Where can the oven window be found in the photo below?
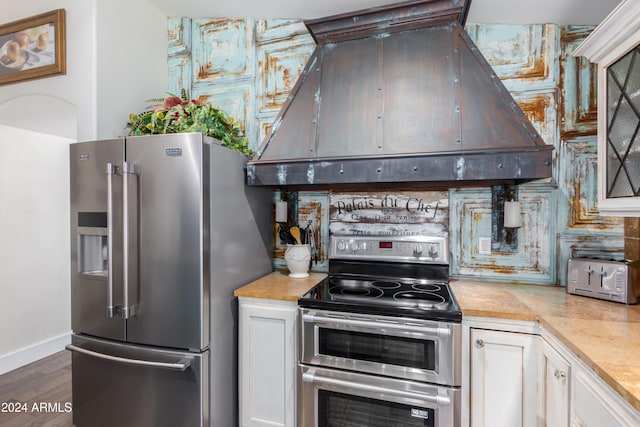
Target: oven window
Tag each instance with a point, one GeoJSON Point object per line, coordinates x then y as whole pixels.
{"type": "Point", "coordinates": [386, 349]}
{"type": "Point", "coordinates": [345, 410]}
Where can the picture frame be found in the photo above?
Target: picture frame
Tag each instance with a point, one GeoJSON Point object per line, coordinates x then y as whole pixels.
{"type": "Point", "coordinates": [33, 48]}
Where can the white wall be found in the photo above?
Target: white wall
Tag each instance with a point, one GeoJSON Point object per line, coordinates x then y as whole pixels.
{"type": "Point", "coordinates": [131, 62]}
{"type": "Point", "coordinates": [34, 245]}
{"type": "Point", "coordinates": [116, 60]}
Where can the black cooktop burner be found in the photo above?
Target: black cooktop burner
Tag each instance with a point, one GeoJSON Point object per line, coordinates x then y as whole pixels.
{"type": "Point", "coordinates": [428, 287]}
{"type": "Point", "coordinates": [354, 289]}
{"type": "Point", "coordinates": [421, 299]}
{"type": "Point", "coordinates": [407, 297]}
{"type": "Point", "coordinates": [383, 284]}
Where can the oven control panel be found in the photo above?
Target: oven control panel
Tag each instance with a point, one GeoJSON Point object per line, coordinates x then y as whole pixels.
{"type": "Point", "coordinates": [422, 249]}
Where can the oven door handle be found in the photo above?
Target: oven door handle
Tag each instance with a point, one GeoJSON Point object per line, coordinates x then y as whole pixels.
{"type": "Point", "coordinates": [314, 318]}
{"type": "Point", "coordinates": [312, 377]}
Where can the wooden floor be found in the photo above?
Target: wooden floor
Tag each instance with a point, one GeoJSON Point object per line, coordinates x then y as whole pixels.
{"type": "Point", "coordinates": [40, 390]}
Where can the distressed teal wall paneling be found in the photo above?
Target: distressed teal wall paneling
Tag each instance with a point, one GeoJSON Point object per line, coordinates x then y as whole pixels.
{"type": "Point", "coordinates": [578, 81]}
{"type": "Point", "coordinates": [270, 30]}
{"type": "Point", "coordinates": [525, 57]}
{"type": "Point", "coordinates": [471, 219]}
{"type": "Point", "coordinates": [245, 67]}
{"type": "Point", "coordinates": [223, 49]}
{"type": "Point", "coordinates": [179, 75]}
{"type": "Point", "coordinates": [264, 123]}
{"type": "Point", "coordinates": [578, 187]}
{"type": "Point", "coordinates": [179, 55]}
{"type": "Point", "coordinates": [581, 230]}
{"type": "Point", "coordinates": [280, 64]}
{"type": "Point", "coordinates": [283, 48]}
{"type": "Point", "coordinates": [179, 33]}
{"type": "Point", "coordinates": [540, 107]}
{"type": "Point", "coordinates": [235, 99]}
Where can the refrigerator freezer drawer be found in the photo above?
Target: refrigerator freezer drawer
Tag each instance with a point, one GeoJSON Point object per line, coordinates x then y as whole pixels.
{"type": "Point", "coordinates": [117, 384]}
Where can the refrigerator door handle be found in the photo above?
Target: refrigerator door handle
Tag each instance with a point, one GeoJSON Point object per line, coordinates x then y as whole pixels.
{"type": "Point", "coordinates": [181, 365]}
{"type": "Point", "coordinates": [130, 239]}
{"type": "Point", "coordinates": [112, 309]}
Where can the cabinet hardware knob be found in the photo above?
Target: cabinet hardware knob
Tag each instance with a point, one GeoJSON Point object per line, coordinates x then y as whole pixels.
{"type": "Point", "coordinates": [480, 343]}
{"type": "Point", "coordinates": [560, 375]}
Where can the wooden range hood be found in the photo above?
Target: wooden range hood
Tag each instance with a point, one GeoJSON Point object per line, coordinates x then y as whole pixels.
{"type": "Point", "coordinates": [399, 95]}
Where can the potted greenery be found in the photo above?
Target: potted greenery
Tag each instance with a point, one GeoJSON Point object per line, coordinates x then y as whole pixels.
{"type": "Point", "coordinates": [175, 114]}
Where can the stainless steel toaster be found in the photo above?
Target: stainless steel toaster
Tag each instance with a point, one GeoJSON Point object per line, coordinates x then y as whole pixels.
{"type": "Point", "coordinates": [604, 279]}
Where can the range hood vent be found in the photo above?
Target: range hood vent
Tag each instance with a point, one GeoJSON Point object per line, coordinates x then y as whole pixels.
{"type": "Point", "coordinates": [399, 95]}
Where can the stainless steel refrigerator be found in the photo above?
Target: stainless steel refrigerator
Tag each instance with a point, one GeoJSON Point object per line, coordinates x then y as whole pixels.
{"type": "Point", "coordinates": [163, 229]}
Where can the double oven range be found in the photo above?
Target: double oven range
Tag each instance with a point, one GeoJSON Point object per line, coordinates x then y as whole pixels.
{"type": "Point", "coordinates": [380, 341]}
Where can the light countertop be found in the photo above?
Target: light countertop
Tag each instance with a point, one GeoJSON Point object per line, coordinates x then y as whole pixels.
{"type": "Point", "coordinates": [279, 286]}
{"type": "Point", "coordinates": [604, 335]}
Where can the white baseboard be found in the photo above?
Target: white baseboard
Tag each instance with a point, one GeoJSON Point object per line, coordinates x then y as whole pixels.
{"type": "Point", "coordinates": [26, 355]}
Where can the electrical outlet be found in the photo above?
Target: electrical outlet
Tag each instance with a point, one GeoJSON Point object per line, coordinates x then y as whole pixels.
{"type": "Point", "coordinates": [484, 245]}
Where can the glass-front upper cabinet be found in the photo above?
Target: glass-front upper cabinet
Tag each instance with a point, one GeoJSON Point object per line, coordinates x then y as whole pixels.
{"type": "Point", "coordinates": [615, 46]}
{"type": "Point", "coordinates": [623, 123]}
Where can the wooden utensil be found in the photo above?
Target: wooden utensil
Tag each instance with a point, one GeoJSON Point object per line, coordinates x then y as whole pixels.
{"type": "Point", "coordinates": [286, 237]}
{"type": "Point", "coordinates": [295, 232]}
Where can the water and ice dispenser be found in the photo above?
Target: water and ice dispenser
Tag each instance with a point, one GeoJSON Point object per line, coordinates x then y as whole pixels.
{"type": "Point", "coordinates": [92, 243]}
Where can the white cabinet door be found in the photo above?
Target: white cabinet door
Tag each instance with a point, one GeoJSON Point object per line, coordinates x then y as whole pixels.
{"type": "Point", "coordinates": [555, 375]}
{"type": "Point", "coordinates": [503, 379]}
{"type": "Point", "coordinates": [596, 405]}
{"type": "Point", "coordinates": [267, 362]}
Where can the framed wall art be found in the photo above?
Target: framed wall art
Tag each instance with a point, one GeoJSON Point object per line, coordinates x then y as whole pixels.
{"type": "Point", "coordinates": [33, 48]}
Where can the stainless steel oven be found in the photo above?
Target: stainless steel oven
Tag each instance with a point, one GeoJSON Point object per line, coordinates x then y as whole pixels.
{"type": "Point", "coordinates": [380, 337]}
{"type": "Point", "coordinates": [399, 347]}
{"type": "Point", "coordinates": [334, 398]}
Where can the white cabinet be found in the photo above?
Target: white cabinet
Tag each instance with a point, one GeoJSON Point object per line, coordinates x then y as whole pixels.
{"type": "Point", "coordinates": [503, 387]}
{"type": "Point", "coordinates": [589, 407]}
{"type": "Point", "coordinates": [595, 404]}
{"type": "Point", "coordinates": [519, 374]}
{"type": "Point", "coordinates": [611, 45]}
{"type": "Point", "coordinates": [267, 362]}
{"type": "Point", "coordinates": [590, 401]}
{"type": "Point", "coordinates": [555, 376]}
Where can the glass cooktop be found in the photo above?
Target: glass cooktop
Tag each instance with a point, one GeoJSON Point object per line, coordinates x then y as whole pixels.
{"type": "Point", "coordinates": [423, 299]}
